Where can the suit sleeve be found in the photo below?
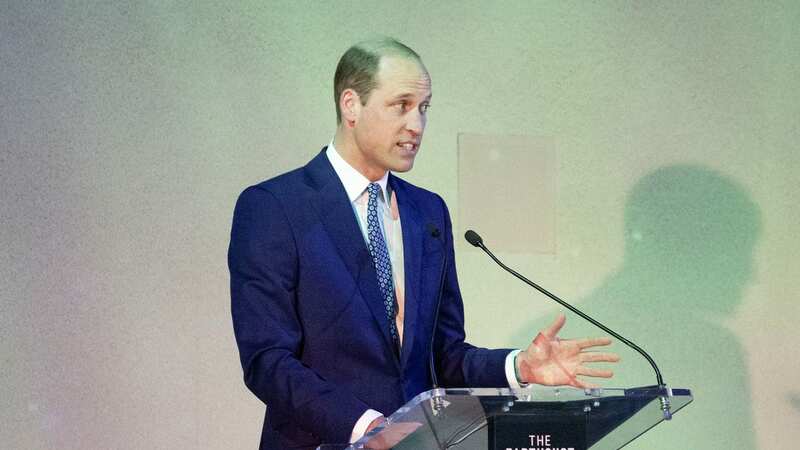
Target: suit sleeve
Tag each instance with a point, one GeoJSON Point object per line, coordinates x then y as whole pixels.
{"type": "Point", "coordinates": [263, 264]}
{"type": "Point", "coordinates": [460, 364]}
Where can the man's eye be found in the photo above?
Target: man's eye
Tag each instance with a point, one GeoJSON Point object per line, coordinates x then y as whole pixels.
{"type": "Point", "coordinates": [424, 107]}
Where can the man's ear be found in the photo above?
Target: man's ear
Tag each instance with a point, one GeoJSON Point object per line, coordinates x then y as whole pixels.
{"type": "Point", "coordinates": [350, 105]}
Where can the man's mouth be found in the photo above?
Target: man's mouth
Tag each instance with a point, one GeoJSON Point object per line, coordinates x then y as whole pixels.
{"type": "Point", "coordinates": [408, 146]}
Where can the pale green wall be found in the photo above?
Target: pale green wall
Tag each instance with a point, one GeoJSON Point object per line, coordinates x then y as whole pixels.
{"type": "Point", "coordinates": [127, 130]}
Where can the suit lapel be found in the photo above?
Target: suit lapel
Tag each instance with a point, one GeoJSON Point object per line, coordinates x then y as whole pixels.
{"type": "Point", "coordinates": [336, 214]}
{"type": "Point", "coordinates": [413, 235]}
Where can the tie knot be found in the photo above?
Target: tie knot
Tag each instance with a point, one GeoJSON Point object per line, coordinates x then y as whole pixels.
{"type": "Point", "coordinates": [373, 189]}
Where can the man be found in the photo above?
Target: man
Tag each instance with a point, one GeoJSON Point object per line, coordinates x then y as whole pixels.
{"type": "Point", "coordinates": [337, 267]}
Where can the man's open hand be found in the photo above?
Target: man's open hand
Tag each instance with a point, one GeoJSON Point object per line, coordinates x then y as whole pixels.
{"type": "Point", "coordinates": [552, 361]}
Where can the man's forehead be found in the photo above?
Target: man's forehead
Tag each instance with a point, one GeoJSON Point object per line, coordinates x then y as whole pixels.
{"type": "Point", "coordinates": [403, 76]}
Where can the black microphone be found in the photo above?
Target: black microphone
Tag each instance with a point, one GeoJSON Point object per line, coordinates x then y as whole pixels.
{"type": "Point", "coordinates": [434, 232]}
{"type": "Point", "coordinates": [475, 239]}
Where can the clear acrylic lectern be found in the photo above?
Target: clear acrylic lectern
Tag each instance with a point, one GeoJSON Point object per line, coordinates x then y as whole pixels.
{"type": "Point", "coordinates": [533, 418]}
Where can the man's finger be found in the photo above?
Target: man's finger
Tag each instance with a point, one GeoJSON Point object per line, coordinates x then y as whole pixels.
{"type": "Point", "coordinates": [598, 357]}
{"type": "Point", "coordinates": [592, 342]}
{"type": "Point", "coordinates": [589, 372]}
{"type": "Point", "coordinates": [391, 437]}
{"type": "Point", "coordinates": [552, 330]}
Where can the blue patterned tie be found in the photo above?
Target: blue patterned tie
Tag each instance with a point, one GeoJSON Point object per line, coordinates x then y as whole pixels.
{"type": "Point", "coordinates": [380, 257]}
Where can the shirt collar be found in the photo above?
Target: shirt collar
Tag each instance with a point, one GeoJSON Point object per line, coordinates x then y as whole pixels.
{"type": "Point", "coordinates": [354, 183]}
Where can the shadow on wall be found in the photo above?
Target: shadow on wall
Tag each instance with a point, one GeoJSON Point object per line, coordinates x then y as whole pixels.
{"type": "Point", "coordinates": [794, 400]}
{"type": "Point", "coordinates": [689, 239]}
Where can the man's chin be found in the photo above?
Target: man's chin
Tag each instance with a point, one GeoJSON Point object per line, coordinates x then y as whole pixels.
{"type": "Point", "coordinates": [403, 164]}
{"type": "Point", "coordinates": [405, 167]}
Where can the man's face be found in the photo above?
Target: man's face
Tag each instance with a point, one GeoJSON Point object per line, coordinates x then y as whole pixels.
{"type": "Point", "coordinates": [388, 129]}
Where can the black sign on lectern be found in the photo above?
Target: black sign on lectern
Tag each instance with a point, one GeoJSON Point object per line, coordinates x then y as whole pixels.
{"type": "Point", "coordinates": [518, 431]}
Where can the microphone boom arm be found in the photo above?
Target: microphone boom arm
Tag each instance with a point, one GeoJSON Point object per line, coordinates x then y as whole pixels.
{"type": "Point", "coordinates": [474, 239]}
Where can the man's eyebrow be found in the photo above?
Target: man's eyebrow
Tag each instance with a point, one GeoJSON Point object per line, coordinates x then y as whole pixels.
{"type": "Point", "coordinates": [409, 95]}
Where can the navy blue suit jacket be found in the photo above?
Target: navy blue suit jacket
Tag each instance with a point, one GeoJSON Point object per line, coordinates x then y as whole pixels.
{"type": "Point", "coordinates": [308, 316]}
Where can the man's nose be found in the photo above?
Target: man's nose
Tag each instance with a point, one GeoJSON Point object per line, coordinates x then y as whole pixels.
{"type": "Point", "coordinates": [416, 122]}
